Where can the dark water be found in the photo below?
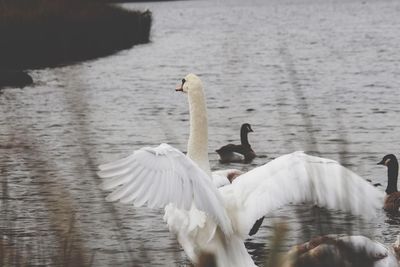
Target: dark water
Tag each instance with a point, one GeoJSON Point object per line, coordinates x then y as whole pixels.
{"type": "Point", "coordinates": [313, 75]}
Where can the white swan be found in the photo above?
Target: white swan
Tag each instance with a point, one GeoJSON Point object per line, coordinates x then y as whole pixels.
{"type": "Point", "coordinates": [217, 220]}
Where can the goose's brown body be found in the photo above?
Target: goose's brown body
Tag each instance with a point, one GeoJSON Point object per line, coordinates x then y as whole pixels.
{"type": "Point", "coordinates": [392, 202]}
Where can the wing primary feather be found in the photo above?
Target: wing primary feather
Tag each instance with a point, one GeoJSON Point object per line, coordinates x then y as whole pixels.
{"type": "Point", "coordinates": [134, 188]}
{"type": "Point", "coordinates": [181, 187]}
{"type": "Point", "coordinates": [164, 197]}
{"type": "Point", "coordinates": [118, 163]}
{"type": "Point", "coordinates": [157, 190]}
{"type": "Point", "coordinates": [143, 193]}
{"type": "Point", "coordinates": [109, 173]}
{"type": "Point", "coordinates": [170, 196]}
{"type": "Point", "coordinates": [187, 193]}
{"type": "Point", "coordinates": [122, 190]}
{"type": "Point", "coordinates": [119, 180]}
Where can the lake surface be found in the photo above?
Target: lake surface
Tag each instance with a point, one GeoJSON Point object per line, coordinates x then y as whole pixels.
{"type": "Point", "coordinates": [313, 75]}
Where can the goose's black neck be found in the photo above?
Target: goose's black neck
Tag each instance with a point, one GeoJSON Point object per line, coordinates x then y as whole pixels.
{"type": "Point", "coordinates": [243, 136]}
{"type": "Point", "coordinates": [393, 173]}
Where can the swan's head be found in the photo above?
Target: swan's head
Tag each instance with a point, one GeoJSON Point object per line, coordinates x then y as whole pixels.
{"type": "Point", "coordinates": [190, 83]}
{"type": "Point", "coordinates": [246, 127]}
{"type": "Point", "coordinates": [388, 160]}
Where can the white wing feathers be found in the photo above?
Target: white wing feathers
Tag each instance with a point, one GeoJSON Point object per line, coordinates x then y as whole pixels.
{"type": "Point", "coordinates": [162, 175]}
{"type": "Point", "coordinates": [298, 178]}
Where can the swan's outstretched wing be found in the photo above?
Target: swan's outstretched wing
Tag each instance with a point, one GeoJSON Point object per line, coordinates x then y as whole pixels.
{"type": "Point", "coordinates": [162, 175]}
{"type": "Point", "coordinates": [297, 178]}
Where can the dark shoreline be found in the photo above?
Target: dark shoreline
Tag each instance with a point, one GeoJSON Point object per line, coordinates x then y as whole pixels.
{"type": "Point", "coordinates": [14, 78]}
{"type": "Point", "coordinates": [49, 33]}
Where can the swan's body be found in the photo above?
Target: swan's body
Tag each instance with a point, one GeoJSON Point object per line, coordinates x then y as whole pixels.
{"type": "Point", "coordinates": [392, 199]}
{"type": "Point", "coordinates": [346, 251]}
{"type": "Point", "coordinates": [238, 153]}
{"type": "Point", "coordinates": [205, 218]}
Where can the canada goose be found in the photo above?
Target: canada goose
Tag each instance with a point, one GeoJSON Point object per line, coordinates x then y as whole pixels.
{"type": "Point", "coordinates": [238, 153]}
{"type": "Point", "coordinates": [392, 199]}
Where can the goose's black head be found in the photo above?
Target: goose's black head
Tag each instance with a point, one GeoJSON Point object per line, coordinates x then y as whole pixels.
{"type": "Point", "coordinates": [389, 160]}
{"type": "Point", "coordinates": [246, 128]}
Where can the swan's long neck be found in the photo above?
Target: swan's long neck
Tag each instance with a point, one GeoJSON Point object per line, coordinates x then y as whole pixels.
{"type": "Point", "coordinates": [393, 173]}
{"type": "Point", "coordinates": [197, 148]}
{"type": "Point", "coordinates": [243, 137]}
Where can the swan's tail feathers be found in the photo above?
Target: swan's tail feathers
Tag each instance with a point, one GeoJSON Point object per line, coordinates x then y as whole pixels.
{"type": "Point", "coordinates": [298, 178]}
{"type": "Point", "coordinates": [158, 176]}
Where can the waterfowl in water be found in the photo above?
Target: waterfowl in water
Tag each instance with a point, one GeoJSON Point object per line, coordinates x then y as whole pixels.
{"type": "Point", "coordinates": [238, 153]}
{"type": "Point", "coordinates": [344, 251]}
{"type": "Point", "coordinates": [392, 199]}
{"type": "Point", "coordinates": [217, 219]}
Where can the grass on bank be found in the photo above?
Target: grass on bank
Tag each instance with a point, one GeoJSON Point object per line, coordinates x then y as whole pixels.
{"type": "Point", "coordinates": [45, 33]}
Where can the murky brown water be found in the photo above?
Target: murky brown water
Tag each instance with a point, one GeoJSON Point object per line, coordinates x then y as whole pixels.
{"type": "Point", "coordinates": [313, 75]}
